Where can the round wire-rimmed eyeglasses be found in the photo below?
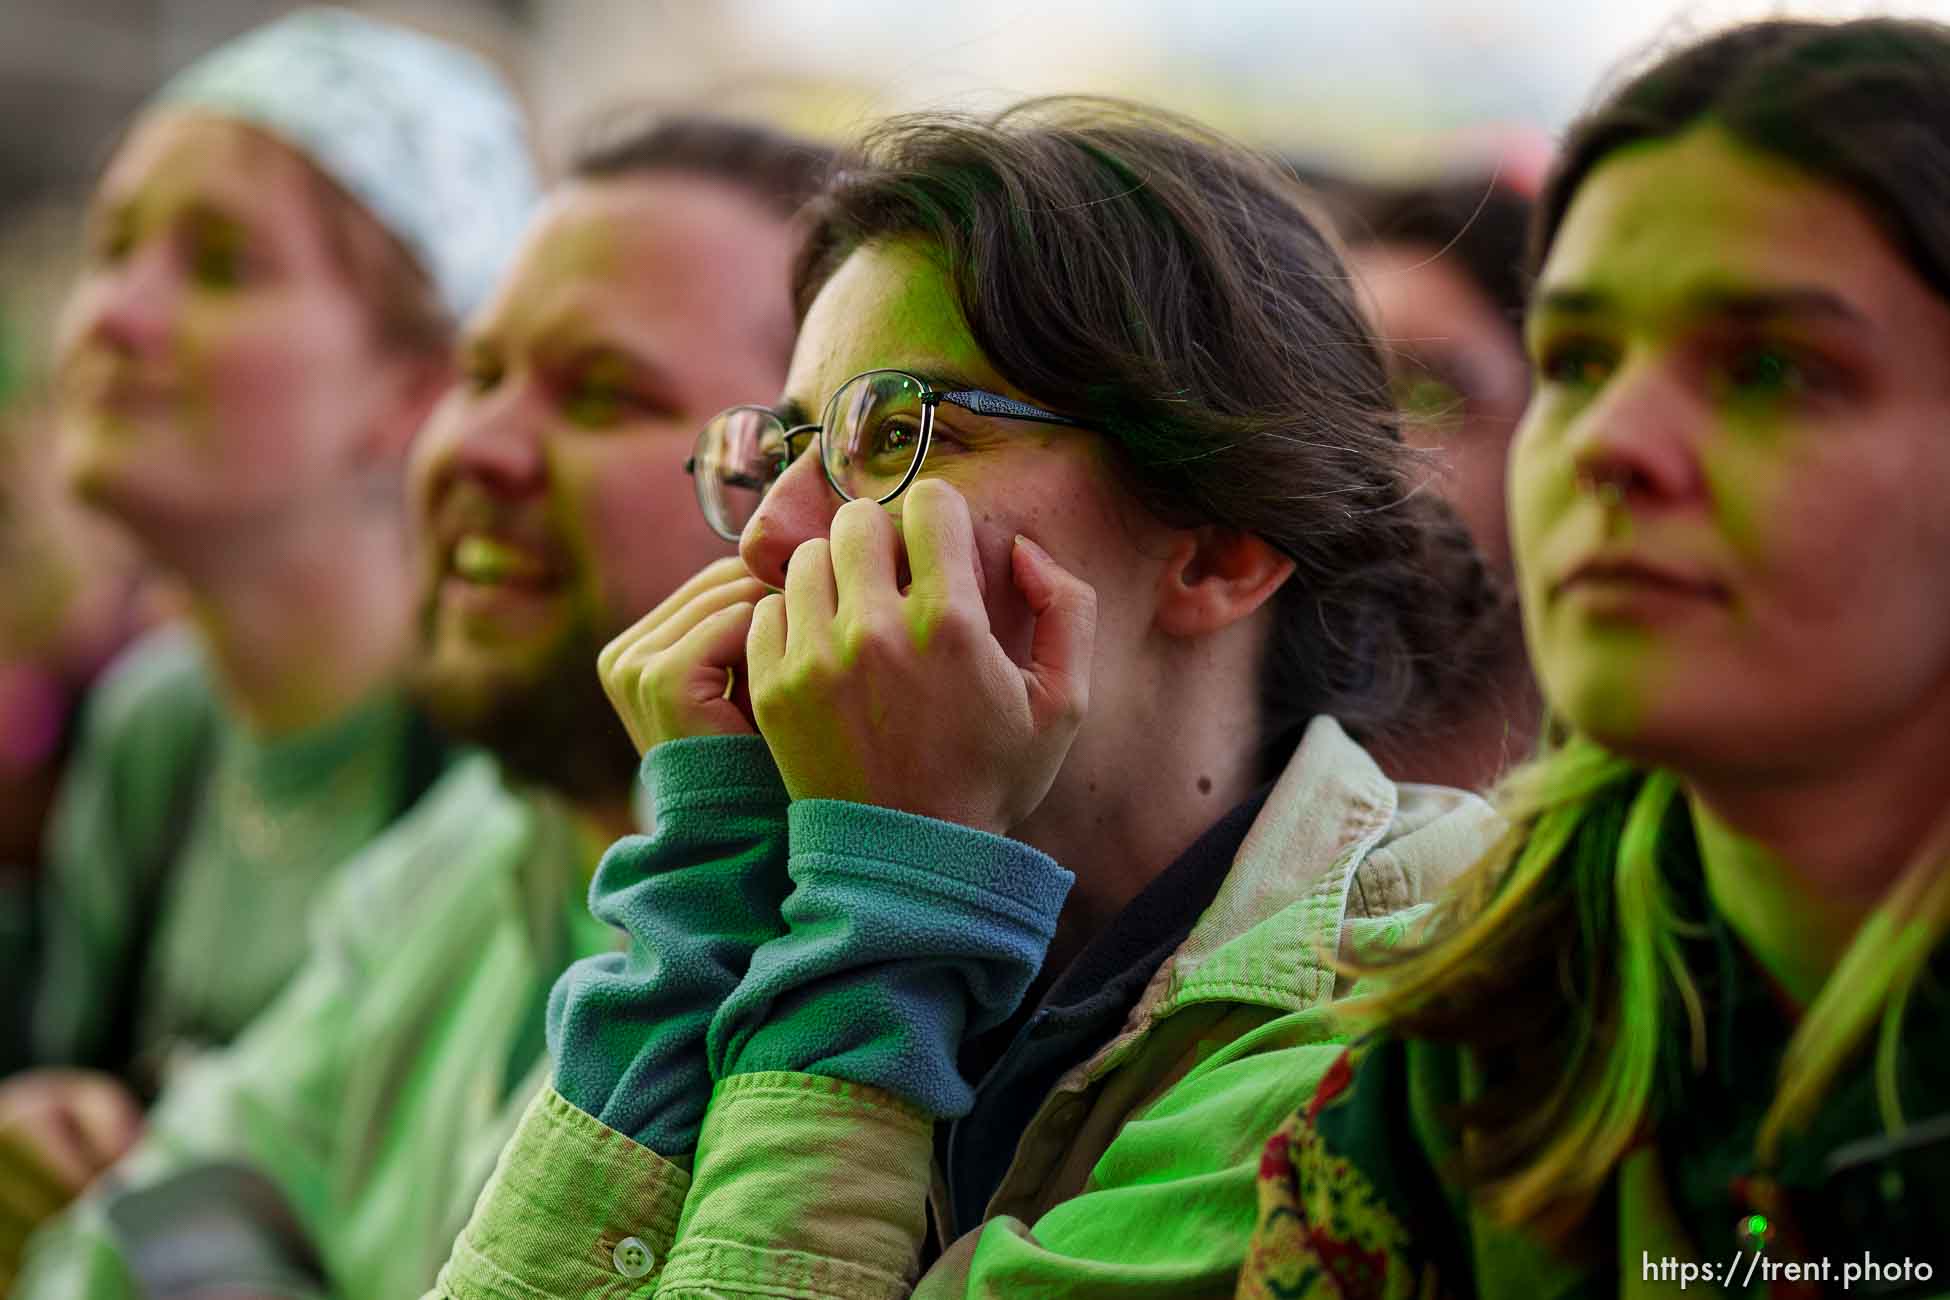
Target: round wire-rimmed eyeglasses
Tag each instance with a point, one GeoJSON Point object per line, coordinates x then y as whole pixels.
{"type": "Point", "coordinates": [873, 438]}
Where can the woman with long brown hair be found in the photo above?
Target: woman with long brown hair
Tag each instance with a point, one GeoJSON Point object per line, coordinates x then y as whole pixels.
{"type": "Point", "coordinates": [1688, 1024]}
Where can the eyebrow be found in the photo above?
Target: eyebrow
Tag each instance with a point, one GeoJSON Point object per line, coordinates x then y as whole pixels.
{"type": "Point", "coordinates": [943, 381]}
{"type": "Point", "coordinates": [127, 209]}
{"type": "Point", "coordinates": [565, 335]}
{"type": "Point", "coordinates": [594, 347]}
{"type": "Point", "coordinates": [215, 212]}
{"type": "Point", "coordinates": [793, 412]}
{"type": "Point", "coordinates": [1736, 304]}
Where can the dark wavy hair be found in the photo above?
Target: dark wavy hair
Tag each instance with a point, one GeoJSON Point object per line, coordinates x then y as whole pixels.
{"type": "Point", "coordinates": [1863, 105]}
{"type": "Point", "coordinates": [781, 171]}
{"type": "Point", "coordinates": [1171, 289]}
{"type": "Point", "coordinates": [1479, 222]}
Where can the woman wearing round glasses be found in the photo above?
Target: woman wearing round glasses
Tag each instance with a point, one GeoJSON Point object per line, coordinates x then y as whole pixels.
{"type": "Point", "coordinates": [882, 422]}
{"type": "Point", "coordinates": [1081, 520]}
{"type": "Point", "coordinates": [1689, 1025]}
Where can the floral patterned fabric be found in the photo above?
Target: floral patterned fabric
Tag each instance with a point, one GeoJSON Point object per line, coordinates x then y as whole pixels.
{"type": "Point", "coordinates": [1325, 1230]}
{"type": "Point", "coordinates": [1353, 1203]}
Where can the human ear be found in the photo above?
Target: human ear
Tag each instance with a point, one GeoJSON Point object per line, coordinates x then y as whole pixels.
{"type": "Point", "coordinates": [1214, 577]}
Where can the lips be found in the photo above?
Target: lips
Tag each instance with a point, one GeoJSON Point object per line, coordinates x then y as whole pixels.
{"type": "Point", "coordinates": [1630, 573]}
{"type": "Point", "coordinates": [483, 541]}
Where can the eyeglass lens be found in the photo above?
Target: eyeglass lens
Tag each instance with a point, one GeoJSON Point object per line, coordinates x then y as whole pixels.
{"type": "Point", "coordinates": [873, 433]}
{"type": "Point", "coordinates": [739, 455]}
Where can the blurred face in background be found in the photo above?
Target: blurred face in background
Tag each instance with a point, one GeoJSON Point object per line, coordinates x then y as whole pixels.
{"type": "Point", "coordinates": [550, 482]}
{"type": "Point", "coordinates": [218, 370]}
{"type": "Point", "coordinates": [1459, 374]}
{"type": "Point", "coordinates": [1728, 493]}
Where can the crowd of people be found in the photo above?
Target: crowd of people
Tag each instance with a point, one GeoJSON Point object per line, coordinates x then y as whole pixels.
{"type": "Point", "coordinates": [1032, 704]}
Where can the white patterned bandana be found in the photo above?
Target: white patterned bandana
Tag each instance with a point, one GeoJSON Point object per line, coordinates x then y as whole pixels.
{"type": "Point", "coordinates": [428, 137]}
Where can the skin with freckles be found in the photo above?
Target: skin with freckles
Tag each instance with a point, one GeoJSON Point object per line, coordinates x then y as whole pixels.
{"type": "Point", "coordinates": [942, 679]}
{"type": "Point", "coordinates": [1747, 378]}
{"type": "Point", "coordinates": [551, 479]}
{"type": "Point", "coordinates": [1059, 481]}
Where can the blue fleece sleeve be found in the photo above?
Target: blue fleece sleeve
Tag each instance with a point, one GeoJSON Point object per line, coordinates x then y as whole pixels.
{"type": "Point", "coordinates": [697, 897]}
{"type": "Point", "coordinates": [903, 934]}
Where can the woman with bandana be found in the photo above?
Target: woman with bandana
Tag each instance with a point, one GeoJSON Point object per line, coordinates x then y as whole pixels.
{"type": "Point", "coordinates": [279, 249]}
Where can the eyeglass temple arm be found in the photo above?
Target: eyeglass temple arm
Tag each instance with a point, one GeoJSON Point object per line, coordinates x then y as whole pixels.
{"type": "Point", "coordinates": [1008, 408]}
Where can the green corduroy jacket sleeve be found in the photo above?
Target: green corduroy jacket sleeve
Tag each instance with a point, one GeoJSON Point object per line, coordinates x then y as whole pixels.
{"type": "Point", "coordinates": [812, 1187]}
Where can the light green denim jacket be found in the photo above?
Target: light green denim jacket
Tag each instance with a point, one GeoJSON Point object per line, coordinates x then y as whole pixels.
{"type": "Point", "coordinates": [376, 1092]}
{"type": "Point", "coordinates": [1134, 1179]}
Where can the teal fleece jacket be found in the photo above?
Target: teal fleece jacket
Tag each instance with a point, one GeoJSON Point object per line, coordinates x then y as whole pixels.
{"type": "Point", "coordinates": [832, 938]}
